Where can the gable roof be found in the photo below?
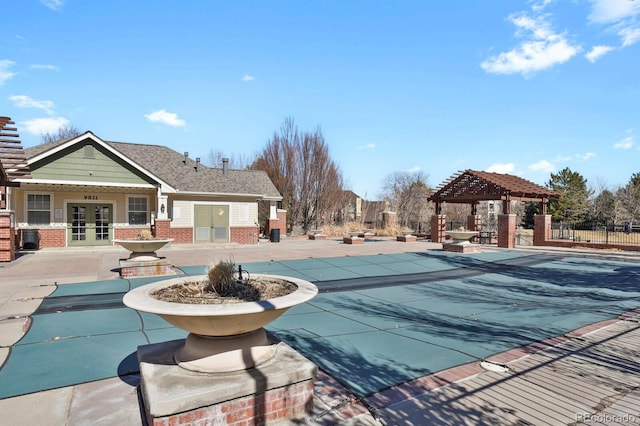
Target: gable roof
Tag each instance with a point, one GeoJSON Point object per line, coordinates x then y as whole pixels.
{"type": "Point", "coordinates": [470, 186]}
{"type": "Point", "coordinates": [170, 168]}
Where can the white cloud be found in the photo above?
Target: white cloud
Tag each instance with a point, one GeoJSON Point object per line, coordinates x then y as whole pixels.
{"type": "Point", "coordinates": [626, 143]}
{"type": "Point", "coordinates": [542, 166]}
{"type": "Point", "coordinates": [501, 168]}
{"type": "Point", "coordinates": [248, 78]}
{"type": "Point", "coordinates": [414, 169]}
{"type": "Point", "coordinates": [597, 52]}
{"type": "Point", "coordinates": [612, 11]}
{"type": "Point", "coordinates": [562, 159]}
{"type": "Point", "coordinates": [629, 36]}
{"type": "Point", "coordinates": [5, 74]}
{"type": "Point", "coordinates": [164, 117]}
{"type": "Point", "coordinates": [587, 156]}
{"type": "Point", "coordinates": [619, 16]}
{"type": "Point", "coordinates": [23, 101]}
{"type": "Point", "coordinates": [40, 126]}
{"type": "Point", "coordinates": [53, 4]}
{"type": "Point", "coordinates": [367, 146]}
{"type": "Point", "coordinates": [541, 49]}
{"type": "Point", "coordinates": [539, 6]}
{"type": "Point", "coordinates": [45, 67]}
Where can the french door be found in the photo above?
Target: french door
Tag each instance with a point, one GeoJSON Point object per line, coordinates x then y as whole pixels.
{"type": "Point", "coordinates": [89, 224]}
{"type": "Point", "coordinates": [211, 223]}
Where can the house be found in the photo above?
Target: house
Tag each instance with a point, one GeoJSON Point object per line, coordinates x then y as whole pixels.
{"type": "Point", "coordinates": [85, 191]}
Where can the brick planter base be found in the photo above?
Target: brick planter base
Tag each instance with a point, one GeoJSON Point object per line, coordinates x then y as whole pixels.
{"type": "Point", "coordinates": [277, 390]}
{"type": "Point", "coordinates": [462, 248]}
{"type": "Point", "coordinates": [353, 240]}
{"type": "Point", "coordinates": [146, 268]}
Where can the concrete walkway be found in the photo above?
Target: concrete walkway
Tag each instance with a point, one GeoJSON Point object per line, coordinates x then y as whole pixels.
{"type": "Point", "coordinates": [538, 387]}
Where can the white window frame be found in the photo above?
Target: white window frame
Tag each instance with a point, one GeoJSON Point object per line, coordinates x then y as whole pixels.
{"type": "Point", "coordinates": [27, 209]}
{"type": "Point", "coordinates": [147, 212]}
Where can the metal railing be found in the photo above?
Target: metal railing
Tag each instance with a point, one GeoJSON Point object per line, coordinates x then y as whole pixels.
{"type": "Point", "coordinates": [596, 232]}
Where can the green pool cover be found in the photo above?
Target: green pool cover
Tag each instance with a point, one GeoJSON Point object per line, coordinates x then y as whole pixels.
{"type": "Point", "coordinates": [378, 321]}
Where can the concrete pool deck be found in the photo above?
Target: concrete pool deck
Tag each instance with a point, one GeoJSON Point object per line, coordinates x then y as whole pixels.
{"type": "Point", "coordinates": [585, 374]}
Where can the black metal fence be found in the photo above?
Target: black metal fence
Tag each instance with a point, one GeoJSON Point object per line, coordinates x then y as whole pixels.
{"type": "Point", "coordinates": [597, 232]}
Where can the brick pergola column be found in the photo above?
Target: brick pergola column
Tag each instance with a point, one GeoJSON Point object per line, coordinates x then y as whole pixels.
{"type": "Point", "coordinates": [389, 219]}
{"type": "Point", "coordinates": [541, 229]}
{"type": "Point", "coordinates": [438, 223]}
{"type": "Point", "coordinates": [507, 230]}
{"type": "Point", "coordinates": [7, 237]}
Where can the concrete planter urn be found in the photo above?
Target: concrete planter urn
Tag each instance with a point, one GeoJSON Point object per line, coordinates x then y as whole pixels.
{"type": "Point", "coordinates": [142, 249]}
{"type": "Point", "coordinates": [222, 337]}
{"type": "Point", "coordinates": [461, 237]}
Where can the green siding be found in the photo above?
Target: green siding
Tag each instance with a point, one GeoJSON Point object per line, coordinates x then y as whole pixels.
{"type": "Point", "coordinates": [72, 164]}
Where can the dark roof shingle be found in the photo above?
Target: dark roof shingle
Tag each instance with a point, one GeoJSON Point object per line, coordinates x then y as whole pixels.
{"type": "Point", "coordinates": [170, 167]}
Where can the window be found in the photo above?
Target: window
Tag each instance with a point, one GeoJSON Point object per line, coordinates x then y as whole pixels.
{"type": "Point", "coordinates": [137, 210]}
{"type": "Point", "coordinates": [38, 209]}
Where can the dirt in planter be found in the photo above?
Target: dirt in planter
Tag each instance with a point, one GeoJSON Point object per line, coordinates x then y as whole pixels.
{"type": "Point", "coordinates": [202, 293]}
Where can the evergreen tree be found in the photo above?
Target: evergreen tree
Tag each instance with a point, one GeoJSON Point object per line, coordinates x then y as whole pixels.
{"type": "Point", "coordinates": [530, 211]}
{"type": "Point", "coordinates": [573, 204]}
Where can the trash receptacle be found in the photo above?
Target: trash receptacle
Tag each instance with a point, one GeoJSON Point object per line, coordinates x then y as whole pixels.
{"type": "Point", "coordinates": [30, 239]}
{"type": "Point", "coordinates": [274, 236]}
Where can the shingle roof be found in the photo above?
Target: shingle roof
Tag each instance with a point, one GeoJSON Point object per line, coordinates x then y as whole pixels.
{"type": "Point", "coordinates": [471, 185]}
{"type": "Point", "coordinates": [169, 166]}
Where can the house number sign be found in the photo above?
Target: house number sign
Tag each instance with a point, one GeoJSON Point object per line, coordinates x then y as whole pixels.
{"type": "Point", "coordinates": [90, 197]}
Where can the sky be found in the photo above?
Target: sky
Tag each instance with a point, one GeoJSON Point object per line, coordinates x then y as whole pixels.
{"type": "Point", "coordinates": [520, 87]}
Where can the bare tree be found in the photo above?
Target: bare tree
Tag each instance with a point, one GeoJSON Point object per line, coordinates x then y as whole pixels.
{"type": "Point", "coordinates": [302, 170]}
{"type": "Point", "coordinates": [628, 202]}
{"type": "Point", "coordinates": [64, 132]}
{"type": "Point", "coordinates": [236, 161]}
{"type": "Point", "coordinates": [456, 213]}
{"type": "Point", "coordinates": [407, 193]}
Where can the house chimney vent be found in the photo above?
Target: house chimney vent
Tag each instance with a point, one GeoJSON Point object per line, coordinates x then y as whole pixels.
{"type": "Point", "coordinates": [225, 166]}
{"type": "Point", "coordinates": [186, 157]}
{"type": "Point", "coordinates": [197, 163]}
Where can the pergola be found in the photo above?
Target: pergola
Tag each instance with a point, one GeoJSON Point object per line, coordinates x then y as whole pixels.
{"type": "Point", "coordinates": [13, 162]}
{"type": "Point", "coordinates": [471, 187]}
{"type": "Point", "coordinates": [13, 165]}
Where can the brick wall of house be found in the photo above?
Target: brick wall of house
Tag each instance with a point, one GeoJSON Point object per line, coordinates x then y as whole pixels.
{"type": "Point", "coordinates": [245, 235]}
{"type": "Point", "coordinates": [279, 223]}
{"type": "Point", "coordinates": [181, 235]}
{"type": "Point", "coordinates": [128, 233]}
{"type": "Point", "coordinates": [162, 228]}
{"type": "Point", "coordinates": [51, 237]}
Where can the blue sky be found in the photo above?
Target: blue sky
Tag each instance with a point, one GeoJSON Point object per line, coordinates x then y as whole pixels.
{"type": "Point", "coordinates": [519, 87]}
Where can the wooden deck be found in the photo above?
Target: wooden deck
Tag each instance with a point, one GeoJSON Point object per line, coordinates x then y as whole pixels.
{"type": "Point", "coordinates": [587, 377]}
